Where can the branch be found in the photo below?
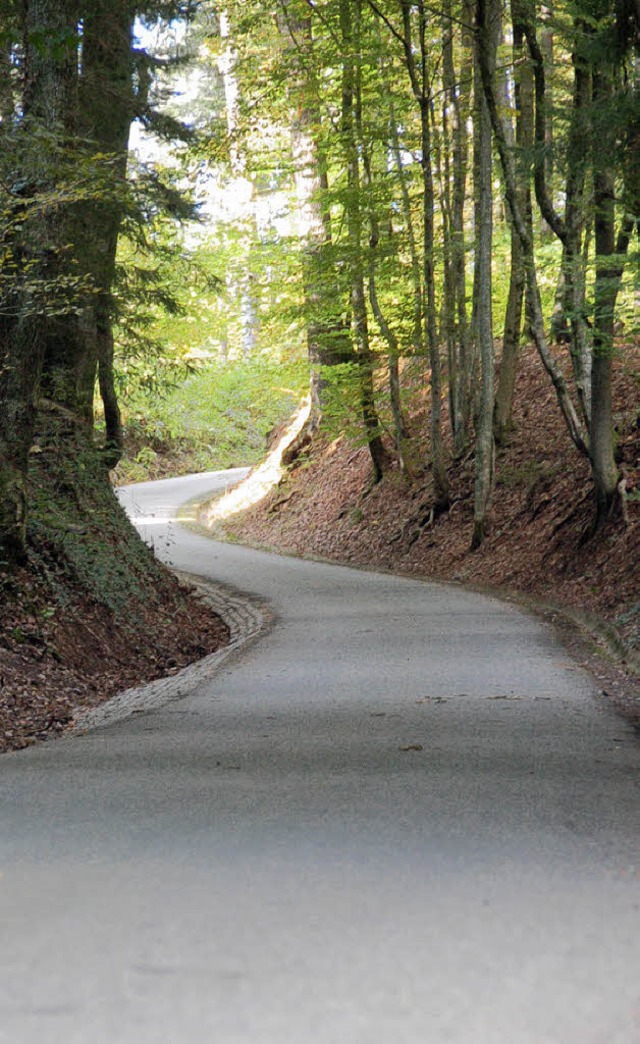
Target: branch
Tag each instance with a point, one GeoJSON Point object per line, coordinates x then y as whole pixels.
{"type": "Point", "coordinates": [545, 203]}
{"type": "Point", "coordinates": [316, 11]}
{"type": "Point", "coordinates": [389, 24]}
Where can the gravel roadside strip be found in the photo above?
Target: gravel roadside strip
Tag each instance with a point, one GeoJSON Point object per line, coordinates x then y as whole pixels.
{"type": "Point", "coordinates": [246, 617]}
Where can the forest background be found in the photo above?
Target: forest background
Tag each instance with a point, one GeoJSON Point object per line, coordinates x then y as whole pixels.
{"type": "Point", "coordinates": [377, 201]}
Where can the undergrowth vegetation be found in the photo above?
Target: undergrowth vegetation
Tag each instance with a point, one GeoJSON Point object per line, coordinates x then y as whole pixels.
{"type": "Point", "coordinates": [219, 417]}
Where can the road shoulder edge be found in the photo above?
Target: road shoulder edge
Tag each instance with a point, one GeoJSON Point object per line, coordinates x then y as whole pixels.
{"type": "Point", "coordinates": [247, 617]}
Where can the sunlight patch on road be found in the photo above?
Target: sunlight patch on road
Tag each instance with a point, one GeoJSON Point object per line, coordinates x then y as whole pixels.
{"type": "Point", "coordinates": [260, 482]}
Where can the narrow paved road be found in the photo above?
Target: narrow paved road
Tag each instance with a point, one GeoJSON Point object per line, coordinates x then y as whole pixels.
{"type": "Point", "coordinates": [401, 817]}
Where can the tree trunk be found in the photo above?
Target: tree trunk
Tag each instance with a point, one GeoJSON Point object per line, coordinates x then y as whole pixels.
{"type": "Point", "coordinates": [418, 71]}
{"type": "Point", "coordinates": [607, 285]}
{"type": "Point", "coordinates": [534, 307]}
{"type": "Point", "coordinates": [416, 275]}
{"type": "Point", "coordinates": [313, 224]}
{"type": "Point", "coordinates": [354, 231]}
{"type": "Point", "coordinates": [572, 259]}
{"type": "Point", "coordinates": [513, 316]}
{"type": "Point", "coordinates": [483, 331]}
{"type": "Point", "coordinates": [547, 49]}
{"type": "Point", "coordinates": [37, 244]}
{"type": "Point", "coordinates": [243, 288]}
{"type": "Point", "coordinates": [460, 160]}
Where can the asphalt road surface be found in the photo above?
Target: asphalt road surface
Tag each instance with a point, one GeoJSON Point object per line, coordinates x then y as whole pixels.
{"type": "Point", "coordinates": [402, 816]}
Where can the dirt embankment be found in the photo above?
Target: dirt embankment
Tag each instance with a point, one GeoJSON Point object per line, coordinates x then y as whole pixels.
{"type": "Point", "coordinates": [89, 614]}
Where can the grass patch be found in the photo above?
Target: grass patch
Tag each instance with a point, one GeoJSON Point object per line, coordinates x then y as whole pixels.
{"type": "Point", "coordinates": [218, 418]}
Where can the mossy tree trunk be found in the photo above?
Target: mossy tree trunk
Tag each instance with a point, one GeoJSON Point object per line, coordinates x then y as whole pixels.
{"type": "Point", "coordinates": [35, 234]}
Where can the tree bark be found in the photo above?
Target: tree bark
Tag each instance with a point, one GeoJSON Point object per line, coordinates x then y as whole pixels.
{"type": "Point", "coordinates": [608, 276]}
{"type": "Point", "coordinates": [354, 231]}
{"type": "Point", "coordinates": [513, 316]}
{"type": "Point", "coordinates": [418, 71]}
{"type": "Point", "coordinates": [572, 257]}
{"type": "Point", "coordinates": [327, 341]}
{"type": "Point", "coordinates": [37, 244]}
{"type": "Point", "coordinates": [565, 403]}
{"type": "Point", "coordinates": [487, 29]}
{"type": "Point", "coordinates": [460, 161]}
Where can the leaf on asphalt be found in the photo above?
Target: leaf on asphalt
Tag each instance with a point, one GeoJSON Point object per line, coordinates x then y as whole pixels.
{"type": "Point", "coordinates": [412, 746]}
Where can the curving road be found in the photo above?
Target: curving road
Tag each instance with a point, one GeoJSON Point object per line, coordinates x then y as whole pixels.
{"type": "Point", "coordinates": [401, 817]}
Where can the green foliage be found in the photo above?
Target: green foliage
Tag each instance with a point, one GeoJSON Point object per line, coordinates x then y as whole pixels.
{"type": "Point", "coordinates": [220, 417]}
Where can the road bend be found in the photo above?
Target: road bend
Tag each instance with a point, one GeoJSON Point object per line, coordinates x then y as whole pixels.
{"type": "Point", "coordinates": [402, 816]}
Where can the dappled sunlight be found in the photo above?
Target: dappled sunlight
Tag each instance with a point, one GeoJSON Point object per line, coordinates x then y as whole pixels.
{"type": "Point", "coordinates": [262, 479]}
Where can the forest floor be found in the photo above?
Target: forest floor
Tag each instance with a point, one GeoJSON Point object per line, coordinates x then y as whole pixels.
{"type": "Point", "coordinates": [538, 551]}
{"type": "Point", "coordinates": [58, 660]}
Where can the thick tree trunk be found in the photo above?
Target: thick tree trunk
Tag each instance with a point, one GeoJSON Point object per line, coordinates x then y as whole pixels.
{"type": "Point", "coordinates": [84, 349]}
{"type": "Point", "coordinates": [37, 244]}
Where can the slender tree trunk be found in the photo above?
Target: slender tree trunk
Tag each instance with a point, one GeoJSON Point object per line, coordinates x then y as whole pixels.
{"type": "Point", "coordinates": [460, 159]}
{"type": "Point", "coordinates": [534, 307]}
{"type": "Point", "coordinates": [513, 316]}
{"type": "Point", "coordinates": [399, 422]}
{"type": "Point", "coordinates": [448, 310]}
{"type": "Point", "coordinates": [485, 449]}
{"type": "Point", "coordinates": [547, 52]}
{"type": "Point", "coordinates": [416, 275]}
{"type": "Point", "coordinates": [510, 344]}
{"type": "Point", "coordinates": [417, 64]}
{"type": "Point", "coordinates": [244, 288]}
{"type": "Point", "coordinates": [440, 477]}
{"type": "Point", "coordinates": [354, 226]}
{"type": "Point", "coordinates": [572, 259]}
{"type": "Point", "coordinates": [607, 285]}
{"type": "Point", "coordinates": [326, 340]}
